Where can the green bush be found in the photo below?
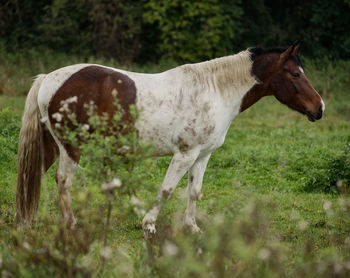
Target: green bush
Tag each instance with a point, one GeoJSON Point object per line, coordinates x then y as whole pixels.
{"type": "Point", "coordinates": [333, 176]}
{"type": "Point", "coordinates": [66, 26]}
{"type": "Point", "coordinates": [116, 29]}
{"type": "Point", "coordinates": [194, 30]}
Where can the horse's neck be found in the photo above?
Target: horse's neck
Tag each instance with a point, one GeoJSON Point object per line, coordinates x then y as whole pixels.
{"type": "Point", "coordinates": [230, 76]}
{"type": "Point", "coordinates": [263, 69]}
{"type": "Point", "coordinates": [252, 96]}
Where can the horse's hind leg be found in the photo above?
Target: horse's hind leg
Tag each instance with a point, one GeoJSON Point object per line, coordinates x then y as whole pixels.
{"type": "Point", "coordinates": [50, 149]}
{"type": "Point", "coordinates": [195, 179]}
{"type": "Point", "coordinates": [64, 179]}
{"type": "Point", "coordinates": [179, 165]}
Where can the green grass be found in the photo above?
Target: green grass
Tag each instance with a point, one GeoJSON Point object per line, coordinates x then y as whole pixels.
{"type": "Point", "coordinates": [271, 155]}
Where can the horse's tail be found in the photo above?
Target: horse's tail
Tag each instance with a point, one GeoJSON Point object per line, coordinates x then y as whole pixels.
{"type": "Point", "coordinates": [30, 157]}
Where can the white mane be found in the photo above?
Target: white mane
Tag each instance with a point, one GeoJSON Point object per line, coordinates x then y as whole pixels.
{"type": "Point", "coordinates": [231, 76]}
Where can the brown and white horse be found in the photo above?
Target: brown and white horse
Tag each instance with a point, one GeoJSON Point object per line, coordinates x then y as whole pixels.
{"type": "Point", "coordinates": [185, 112]}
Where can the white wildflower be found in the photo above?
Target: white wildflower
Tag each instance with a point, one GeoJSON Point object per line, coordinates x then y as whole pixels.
{"type": "Point", "coordinates": [264, 254]}
{"type": "Point", "coordinates": [106, 252]}
{"type": "Point", "coordinates": [139, 211]}
{"type": "Point", "coordinates": [219, 219]}
{"type": "Point", "coordinates": [111, 186]}
{"type": "Point", "coordinates": [344, 205]}
{"type": "Point", "coordinates": [294, 215]}
{"type": "Point", "coordinates": [249, 208]}
{"type": "Point", "coordinates": [26, 246]}
{"type": "Point", "coordinates": [114, 93]}
{"type": "Point", "coordinates": [138, 206]}
{"type": "Point", "coordinates": [57, 116]}
{"type": "Point", "coordinates": [72, 99]}
{"type": "Point", "coordinates": [123, 150]}
{"type": "Point", "coordinates": [327, 205]}
{"type": "Point", "coordinates": [85, 127]}
{"type": "Point", "coordinates": [303, 225]}
{"type": "Point", "coordinates": [136, 201]}
{"type": "Point", "coordinates": [170, 249]}
{"type": "Point", "coordinates": [339, 184]}
{"type": "Point", "coordinates": [64, 107]}
{"type": "Point", "coordinates": [342, 202]}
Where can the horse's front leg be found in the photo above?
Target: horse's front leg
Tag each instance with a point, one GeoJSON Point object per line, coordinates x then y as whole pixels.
{"type": "Point", "coordinates": [179, 165]}
{"type": "Point", "coordinates": [195, 180]}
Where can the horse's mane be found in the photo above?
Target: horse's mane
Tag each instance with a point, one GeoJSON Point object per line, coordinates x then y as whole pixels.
{"type": "Point", "coordinates": [259, 50]}
{"type": "Point", "coordinates": [231, 72]}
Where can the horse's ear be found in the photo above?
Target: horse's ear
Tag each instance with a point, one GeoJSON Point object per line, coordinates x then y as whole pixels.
{"type": "Point", "coordinates": [285, 55]}
{"type": "Point", "coordinates": [296, 49]}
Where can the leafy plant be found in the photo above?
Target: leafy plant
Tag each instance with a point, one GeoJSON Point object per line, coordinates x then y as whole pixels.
{"type": "Point", "coordinates": [334, 176]}
{"type": "Point", "coordinates": [194, 30]}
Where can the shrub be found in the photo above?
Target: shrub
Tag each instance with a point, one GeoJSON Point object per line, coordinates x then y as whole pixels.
{"type": "Point", "coordinates": [194, 30]}
{"type": "Point", "coordinates": [333, 176]}
{"type": "Point", "coordinates": [66, 27]}
{"type": "Point", "coordinates": [117, 27]}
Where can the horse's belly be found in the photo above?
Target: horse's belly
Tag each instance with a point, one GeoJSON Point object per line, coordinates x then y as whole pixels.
{"type": "Point", "coordinates": [157, 133]}
{"type": "Point", "coordinates": [170, 133]}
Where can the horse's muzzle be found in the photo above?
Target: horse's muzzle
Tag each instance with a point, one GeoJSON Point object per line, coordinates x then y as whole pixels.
{"type": "Point", "coordinates": [315, 116]}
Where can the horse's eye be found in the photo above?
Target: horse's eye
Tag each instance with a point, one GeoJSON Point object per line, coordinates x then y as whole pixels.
{"type": "Point", "coordinates": [295, 74]}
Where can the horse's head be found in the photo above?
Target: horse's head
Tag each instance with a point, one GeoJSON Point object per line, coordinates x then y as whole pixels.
{"type": "Point", "coordinates": [286, 80]}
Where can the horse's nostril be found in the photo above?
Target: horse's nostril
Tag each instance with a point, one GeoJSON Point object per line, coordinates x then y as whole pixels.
{"type": "Point", "coordinates": [320, 110]}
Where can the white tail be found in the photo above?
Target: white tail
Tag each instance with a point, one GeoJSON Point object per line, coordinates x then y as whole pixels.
{"type": "Point", "coordinates": [30, 157]}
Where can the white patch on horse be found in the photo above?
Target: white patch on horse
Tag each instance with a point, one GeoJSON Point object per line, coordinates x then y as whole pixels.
{"type": "Point", "coordinates": [301, 69]}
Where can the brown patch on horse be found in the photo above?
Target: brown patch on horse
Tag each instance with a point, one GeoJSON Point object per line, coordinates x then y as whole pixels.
{"type": "Point", "coordinates": [93, 84]}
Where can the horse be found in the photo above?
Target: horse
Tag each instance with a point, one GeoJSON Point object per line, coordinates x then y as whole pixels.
{"type": "Point", "coordinates": [184, 112]}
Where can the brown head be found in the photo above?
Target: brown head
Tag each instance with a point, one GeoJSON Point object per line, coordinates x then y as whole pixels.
{"type": "Point", "coordinates": [281, 74]}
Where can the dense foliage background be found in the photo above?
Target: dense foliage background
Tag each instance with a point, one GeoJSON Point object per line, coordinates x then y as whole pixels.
{"type": "Point", "coordinates": [179, 30]}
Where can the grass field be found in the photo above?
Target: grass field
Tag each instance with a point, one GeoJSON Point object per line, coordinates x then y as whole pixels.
{"type": "Point", "coordinates": [276, 176]}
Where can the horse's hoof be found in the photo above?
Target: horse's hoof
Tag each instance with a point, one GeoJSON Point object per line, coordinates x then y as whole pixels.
{"type": "Point", "coordinates": [193, 229]}
{"type": "Point", "coordinates": [70, 223]}
{"type": "Point", "coordinates": [149, 230]}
